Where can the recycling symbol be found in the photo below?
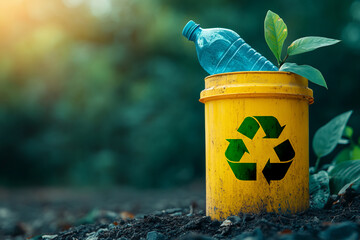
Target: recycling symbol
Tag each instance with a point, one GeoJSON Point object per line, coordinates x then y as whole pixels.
{"type": "Point", "coordinates": [237, 148]}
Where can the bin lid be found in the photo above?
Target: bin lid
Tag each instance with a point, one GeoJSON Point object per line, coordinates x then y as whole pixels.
{"type": "Point", "coordinates": [256, 84]}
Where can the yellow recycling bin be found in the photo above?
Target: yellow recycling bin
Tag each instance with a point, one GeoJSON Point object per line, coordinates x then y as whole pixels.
{"type": "Point", "coordinates": [257, 143]}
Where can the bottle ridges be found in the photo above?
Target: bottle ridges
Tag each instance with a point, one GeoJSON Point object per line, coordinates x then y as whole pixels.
{"type": "Point", "coordinates": [260, 63]}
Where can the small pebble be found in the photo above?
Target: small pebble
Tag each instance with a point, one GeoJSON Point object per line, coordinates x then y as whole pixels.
{"type": "Point", "coordinates": [155, 236]}
{"type": "Point", "coordinates": [176, 214]}
{"type": "Point", "coordinates": [226, 223]}
{"type": "Point", "coordinates": [172, 210]}
{"type": "Point", "coordinates": [48, 237]}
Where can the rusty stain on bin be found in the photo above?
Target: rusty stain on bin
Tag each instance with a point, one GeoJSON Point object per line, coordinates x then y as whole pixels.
{"type": "Point", "coordinates": [274, 101]}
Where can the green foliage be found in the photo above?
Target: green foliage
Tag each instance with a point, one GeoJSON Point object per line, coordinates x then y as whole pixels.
{"type": "Point", "coordinates": [306, 71]}
{"type": "Point", "coordinates": [351, 152]}
{"type": "Point", "coordinates": [275, 33]}
{"type": "Point", "coordinates": [328, 136]}
{"type": "Point", "coordinates": [348, 132]}
{"type": "Point", "coordinates": [343, 155]}
{"type": "Point", "coordinates": [97, 101]}
{"type": "Point", "coordinates": [319, 189]}
{"type": "Point", "coordinates": [345, 173]}
{"type": "Point", "coordinates": [308, 44]}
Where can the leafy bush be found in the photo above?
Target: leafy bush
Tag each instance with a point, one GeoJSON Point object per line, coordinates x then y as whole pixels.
{"type": "Point", "coordinates": [344, 171]}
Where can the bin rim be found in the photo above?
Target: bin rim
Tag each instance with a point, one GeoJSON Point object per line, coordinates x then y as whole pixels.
{"type": "Point", "coordinates": [250, 72]}
{"type": "Point", "coordinates": [222, 87]}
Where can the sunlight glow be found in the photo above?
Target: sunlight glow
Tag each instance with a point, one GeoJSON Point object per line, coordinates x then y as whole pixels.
{"type": "Point", "coordinates": [100, 8]}
{"type": "Point", "coordinates": [73, 3]}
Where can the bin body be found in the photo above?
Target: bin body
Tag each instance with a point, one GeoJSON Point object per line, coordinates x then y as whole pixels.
{"type": "Point", "coordinates": [257, 143]}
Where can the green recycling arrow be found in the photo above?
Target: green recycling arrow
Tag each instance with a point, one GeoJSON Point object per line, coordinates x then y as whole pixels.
{"type": "Point", "coordinates": [236, 149]}
{"type": "Point", "coordinates": [243, 171]}
{"type": "Point", "coordinates": [249, 127]}
{"type": "Point", "coordinates": [275, 171]}
{"type": "Point", "coordinates": [270, 125]}
{"type": "Point", "coordinates": [285, 151]}
{"type": "Point", "coordinates": [234, 152]}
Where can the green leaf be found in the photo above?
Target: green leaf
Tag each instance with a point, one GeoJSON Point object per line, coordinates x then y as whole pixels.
{"type": "Point", "coordinates": [275, 33]}
{"type": "Point", "coordinates": [343, 155]}
{"type": "Point", "coordinates": [307, 44]}
{"type": "Point", "coordinates": [327, 137]}
{"type": "Point", "coordinates": [355, 153]}
{"type": "Point", "coordinates": [306, 71]}
{"type": "Point", "coordinates": [344, 173]}
{"type": "Point", "coordinates": [348, 132]}
{"type": "Point", "coordinates": [350, 153]}
{"type": "Point", "coordinates": [319, 189]}
{"type": "Point", "coordinates": [355, 184]}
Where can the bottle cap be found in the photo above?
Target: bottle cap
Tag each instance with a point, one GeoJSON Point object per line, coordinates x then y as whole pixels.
{"type": "Point", "coordinates": [189, 29]}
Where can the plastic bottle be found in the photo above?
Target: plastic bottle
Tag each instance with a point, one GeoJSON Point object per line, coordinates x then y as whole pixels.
{"type": "Point", "coordinates": [222, 50]}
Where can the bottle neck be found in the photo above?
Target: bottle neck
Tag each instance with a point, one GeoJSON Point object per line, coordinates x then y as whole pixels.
{"type": "Point", "coordinates": [191, 30]}
{"type": "Point", "coordinates": [195, 33]}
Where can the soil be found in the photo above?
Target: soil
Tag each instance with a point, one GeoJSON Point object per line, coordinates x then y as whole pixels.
{"type": "Point", "coordinates": [159, 215]}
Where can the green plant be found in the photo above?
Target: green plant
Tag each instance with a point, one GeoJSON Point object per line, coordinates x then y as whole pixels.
{"type": "Point", "coordinates": [275, 34]}
{"type": "Point", "coordinates": [328, 136]}
{"type": "Point", "coordinates": [352, 151]}
{"type": "Point", "coordinates": [344, 170]}
{"type": "Point", "coordinates": [344, 174]}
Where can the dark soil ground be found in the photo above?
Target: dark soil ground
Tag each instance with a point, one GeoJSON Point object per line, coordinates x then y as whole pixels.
{"type": "Point", "coordinates": [160, 214]}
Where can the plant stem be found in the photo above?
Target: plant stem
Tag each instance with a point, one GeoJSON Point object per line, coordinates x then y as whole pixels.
{"type": "Point", "coordinates": [283, 61]}
{"type": "Point", "coordinates": [317, 164]}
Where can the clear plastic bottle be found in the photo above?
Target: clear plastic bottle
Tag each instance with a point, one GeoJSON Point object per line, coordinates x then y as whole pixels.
{"type": "Point", "coordinates": [222, 50]}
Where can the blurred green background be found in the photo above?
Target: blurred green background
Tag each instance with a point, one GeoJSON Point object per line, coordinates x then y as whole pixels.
{"type": "Point", "coordinates": [105, 92]}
